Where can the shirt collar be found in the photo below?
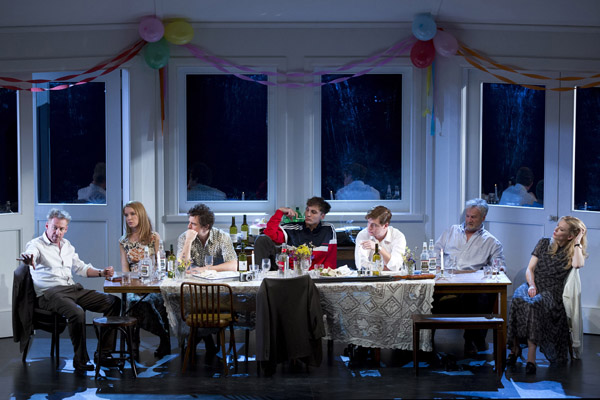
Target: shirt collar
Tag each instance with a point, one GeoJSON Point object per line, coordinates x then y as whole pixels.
{"type": "Point", "coordinates": [462, 228]}
{"type": "Point", "coordinates": [317, 228]}
{"type": "Point", "coordinates": [47, 240]}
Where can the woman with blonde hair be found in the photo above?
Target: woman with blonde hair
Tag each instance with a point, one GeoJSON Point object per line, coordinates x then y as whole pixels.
{"type": "Point", "coordinates": [537, 314]}
{"type": "Point", "coordinates": [150, 312]}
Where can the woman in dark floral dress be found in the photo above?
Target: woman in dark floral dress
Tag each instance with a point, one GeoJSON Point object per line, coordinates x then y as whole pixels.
{"type": "Point", "coordinates": [537, 315]}
{"type": "Point", "coordinates": [150, 312]}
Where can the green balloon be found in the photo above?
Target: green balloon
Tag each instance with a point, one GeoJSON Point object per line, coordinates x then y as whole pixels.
{"type": "Point", "coordinates": [157, 54]}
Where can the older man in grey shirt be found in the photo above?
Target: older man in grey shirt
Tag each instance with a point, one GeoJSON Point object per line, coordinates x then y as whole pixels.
{"type": "Point", "coordinates": [473, 248]}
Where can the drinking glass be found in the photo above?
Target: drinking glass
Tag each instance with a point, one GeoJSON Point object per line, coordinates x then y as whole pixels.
{"type": "Point", "coordinates": [208, 260]}
{"type": "Point", "coordinates": [304, 265]}
{"type": "Point", "coordinates": [265, 266]}
{"type": "Point", "coordinates": [496, 269]}
{"type": "Point", "coordinates": [451, 265]}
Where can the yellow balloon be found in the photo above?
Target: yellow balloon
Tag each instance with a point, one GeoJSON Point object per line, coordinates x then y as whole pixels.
{"type": "Point", "coordinates": [179, 32]}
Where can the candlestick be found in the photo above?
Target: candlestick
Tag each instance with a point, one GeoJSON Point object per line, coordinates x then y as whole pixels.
{"type": "Point", "coordinates": [253, 263]}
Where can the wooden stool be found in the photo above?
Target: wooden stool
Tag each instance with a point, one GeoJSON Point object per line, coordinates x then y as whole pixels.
{"type": "Point", "coordinates": [125, 325]}
{"type": "Point", "coordinates": [462, 321]}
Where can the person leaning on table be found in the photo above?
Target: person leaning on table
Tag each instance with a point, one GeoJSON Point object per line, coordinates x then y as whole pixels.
{"type": "Point", "coordinates": [52, 260]}
{"type": "Point", "coordinates": [474, 247]}
{"type": "Point", "coordinates": [392, 243]}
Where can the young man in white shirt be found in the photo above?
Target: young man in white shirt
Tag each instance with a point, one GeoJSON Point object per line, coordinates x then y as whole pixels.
{"type": "Point", "coordinates": [392, 243]}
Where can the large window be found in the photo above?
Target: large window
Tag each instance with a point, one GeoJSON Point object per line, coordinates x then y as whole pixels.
{"type": "Point", "coordinates": [512, 144]}
{"type": "Point", "coordinates": [71, 139]}
{"type": "Point", "coordinates": [587, 149]}
{"type": "Point", "coordinates": [9, 152]}
{"type": "Point", "coordinates": [226, 138]}
{"type": "Point", "coordinates": [361, 138]}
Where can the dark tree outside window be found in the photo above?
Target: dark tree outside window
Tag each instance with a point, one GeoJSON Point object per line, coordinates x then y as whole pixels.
{"type": "Point", "coordinates": [71, 142]}
{"type": "Point", "coordinates": [512, 136]}
{"type": "Point", "coordinates": [227, 138]}
{"type": "Point", "coordinates": [587, 149]}
{"type": "Point", "coordinates": [361, 134]}
{"type": "Point", "coordinates": [9, 152]}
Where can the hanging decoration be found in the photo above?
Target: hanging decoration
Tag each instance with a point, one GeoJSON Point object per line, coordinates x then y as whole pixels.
{"type": "Point", "coordinates": [151, 29]}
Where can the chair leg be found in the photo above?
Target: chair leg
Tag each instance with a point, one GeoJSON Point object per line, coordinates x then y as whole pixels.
{"type": "Point", "coordinates": [26, 349]}
{"type": "Point", "coordinates": [247, 345]}
{"type": "Point", "coordinates": [99, 334]}
{"type": "Point", "coordinates": [416, 333]}
{"type": "Point", "coordinates": [188, 350]}
{"type": "Point", "coordinates": [129, 346]}
{"type": "Point", "coordinates": [232, 345]}
{"type": "Point", "coordinates": [223, 353]}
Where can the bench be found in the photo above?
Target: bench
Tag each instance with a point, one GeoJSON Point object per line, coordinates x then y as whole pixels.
{"type": "Point", "coordinates": [462, 321]}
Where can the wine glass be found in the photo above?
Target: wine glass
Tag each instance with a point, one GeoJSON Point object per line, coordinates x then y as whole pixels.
{"type": "Point", "coordinates": [265, 266]}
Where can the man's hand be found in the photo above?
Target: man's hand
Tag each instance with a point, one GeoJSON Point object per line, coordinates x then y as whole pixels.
{"type": "Point", "coordinates": [27, 259]}
{"type": "Point", "coordinates": [109, 272]}
{"type": "Point", "coordinates": [368, 245]}
{"type": "Point", "coordinates": [289, 212]}
{"type": "Point", "coordinates": [190, 235]}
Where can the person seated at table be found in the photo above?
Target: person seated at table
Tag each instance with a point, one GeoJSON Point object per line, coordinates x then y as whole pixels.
{"type": "Point", "coordinates": [537, 313]}
{"type": "Point", "coordinates": [313, 231]}
{"type": "Point", "coordinates": [392, 243]}
{"type": "Point", "coordinates": [150, 310]}
{"type": "Point", "coordinates": [472, 247]}
{"type": "Point", "coordinates": [52, 260]}
{"type": "Point", "coordinates": [202, 239]}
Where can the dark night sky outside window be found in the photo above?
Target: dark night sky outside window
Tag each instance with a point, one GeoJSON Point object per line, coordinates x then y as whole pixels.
{"type": "Point", "coordinates": [361, 122]}
{"type": "Point", "coordinates": [587, 149]}
{"type": "Point", "coordinates": [227, 136]}
{"type": "Point", "coordinates": [71, 140]}
{"type": "Point", "coordinates": [513, 129]}
{"type": "Point", "coordinates": [9, 152]}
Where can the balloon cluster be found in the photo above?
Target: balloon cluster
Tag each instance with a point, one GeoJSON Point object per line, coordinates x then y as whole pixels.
{"type": "Point", "coordinates": [152, 30]}
{"type": "Point", "coordinates": [431, 40]}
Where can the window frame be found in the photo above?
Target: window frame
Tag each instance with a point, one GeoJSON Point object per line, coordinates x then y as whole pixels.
{"type": "Point", "coordinates": [230, 207]}
{"type": "Point", "coordinates": [411, 145]}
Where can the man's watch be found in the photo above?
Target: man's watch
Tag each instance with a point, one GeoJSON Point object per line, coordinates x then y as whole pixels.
{"type": "Point", "coordinates": [100, 273]}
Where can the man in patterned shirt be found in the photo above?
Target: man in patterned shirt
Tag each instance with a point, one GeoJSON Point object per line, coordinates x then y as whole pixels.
{"type": "Point", "coordinates": [203, 239]}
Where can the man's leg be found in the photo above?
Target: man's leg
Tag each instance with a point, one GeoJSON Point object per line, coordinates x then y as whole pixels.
{"type": "Point", "coordinates": [264, 247]}
{"type": "Point", "coordinates": [107, 304]}
{"type": "Point", "coordinates": [61, 299]}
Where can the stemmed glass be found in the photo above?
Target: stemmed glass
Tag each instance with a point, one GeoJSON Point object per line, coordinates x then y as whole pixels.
{"type": "Point", "coordinates": [265, 266]}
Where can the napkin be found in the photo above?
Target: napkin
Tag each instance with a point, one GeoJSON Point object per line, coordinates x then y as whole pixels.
{"type": "Point", "coordinates": [210, 274]}
{"type": "Point", "coordinates": [343, 271]}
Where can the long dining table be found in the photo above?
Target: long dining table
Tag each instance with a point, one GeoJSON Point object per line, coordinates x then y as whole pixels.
{"type": "Point", "coordinates": [364, 312]}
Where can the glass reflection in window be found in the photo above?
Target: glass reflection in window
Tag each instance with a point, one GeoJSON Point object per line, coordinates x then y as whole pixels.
{"type": "Point", "coordinates": [227, 136]}
{"type": "Point", "coordinates": [72, 144]}
{"type": "Point", "coordinates": [587, 149]}
{"type": "Point", "coordinates": [512, 145]}
{"type": "Point", "coordinates": [9, 152]}
{"type": "Point", "coordinates": [361, 137]}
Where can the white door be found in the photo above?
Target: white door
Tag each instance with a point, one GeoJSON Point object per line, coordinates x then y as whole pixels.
{"type": "Point", "coordinates": [520, 227]}
{"type": "Point", "coordinates": [77, 131]}
{"type": "Point", "coordinates": [16, 226]}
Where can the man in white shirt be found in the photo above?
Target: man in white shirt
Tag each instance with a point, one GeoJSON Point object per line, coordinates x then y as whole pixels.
{"type": "Point", "coordinates": [519, 194]}
{"type": "Point", "coordinates": [392, 243]}
{"type": "Point", "coordinates": [473, 247]}
{"type": "Point", "coordinates": [52, 260]}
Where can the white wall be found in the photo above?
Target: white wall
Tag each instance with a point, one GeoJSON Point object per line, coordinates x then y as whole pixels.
{"type": "Point", "coordinates": [441, 161]}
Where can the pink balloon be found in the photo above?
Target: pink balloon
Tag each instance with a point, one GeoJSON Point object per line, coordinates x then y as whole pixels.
{"type": "Point", "coordinates": [151, 29]}
{"type": "Point", "coordinates": [445, 44]}
{"type": "Point", "coordinates": [422, 53]}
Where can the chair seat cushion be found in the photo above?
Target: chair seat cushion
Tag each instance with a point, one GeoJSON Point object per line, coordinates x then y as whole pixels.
{"type": "Point", "coordinates": [209, 320]}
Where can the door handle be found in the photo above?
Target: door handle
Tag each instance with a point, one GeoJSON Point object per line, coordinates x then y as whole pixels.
{"type": "Point", "coordinates": [553, 218]}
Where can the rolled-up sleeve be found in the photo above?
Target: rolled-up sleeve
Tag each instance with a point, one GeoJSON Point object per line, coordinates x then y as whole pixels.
{"type": "Point", "coordinates": [397, 249]}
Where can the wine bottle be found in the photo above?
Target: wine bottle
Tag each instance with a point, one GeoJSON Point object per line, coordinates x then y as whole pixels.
{"type": "Point", "coordinates": [171, 263]}
{"type": "Point", "coordinates": [242, 260]}
{"type": "Point", "coordinates": [233, 231]}
{"type": "Point", "coordinates": [432, 258]}
{"type": "Point", "coordinates": [424, 259]}
{"type": "Point", "coordinates": [377, 261]}
{"type": "Point", "coordinates": [244, 232]}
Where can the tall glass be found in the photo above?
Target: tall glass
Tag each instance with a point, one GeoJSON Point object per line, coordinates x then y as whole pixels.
{"type": "Point", "coordinates": [265, 266]}
{"type": "Point", "coordinates": [208, 260]}
{"type": "Point", "coordinates": [451, 266]}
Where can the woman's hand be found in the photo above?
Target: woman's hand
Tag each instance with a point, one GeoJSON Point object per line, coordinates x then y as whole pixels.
{"type": "Point", "coordinates": [580, 235]}
{"type": "Point", "coordinates": [532, 291]}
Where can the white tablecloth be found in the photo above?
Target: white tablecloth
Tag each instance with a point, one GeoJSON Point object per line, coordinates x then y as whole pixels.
{"type": "Point", "coordinates": [368, 314]}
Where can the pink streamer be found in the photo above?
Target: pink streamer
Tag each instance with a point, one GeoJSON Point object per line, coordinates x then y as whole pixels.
{"type": "Point", "coordinates": [398, 49]}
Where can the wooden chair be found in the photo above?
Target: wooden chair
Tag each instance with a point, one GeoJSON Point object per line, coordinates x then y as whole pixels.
{"type": "Point", "coordinates": [27, 316]}
{"type": "Point", "coordinates": [202, 307]}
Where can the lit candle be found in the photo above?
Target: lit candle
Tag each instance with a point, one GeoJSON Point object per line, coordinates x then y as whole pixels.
{"type": "Point", "coordinates": [253, 263]}
{"type": "Point", "coordinates": [442, 260]}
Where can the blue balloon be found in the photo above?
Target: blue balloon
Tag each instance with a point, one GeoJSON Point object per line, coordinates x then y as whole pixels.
{"type": "Point", "coordinates": [424, 27]}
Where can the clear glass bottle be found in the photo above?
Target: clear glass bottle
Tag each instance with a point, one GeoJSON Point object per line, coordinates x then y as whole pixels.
{"type": "Point", "coordinates": [424, 259]}
{"type": "Point", "coordinates": [432, 258]}
{"type": "Point", "coordinates": [161, 258]}
{"type": "Point", "coordinates": [146, 266]}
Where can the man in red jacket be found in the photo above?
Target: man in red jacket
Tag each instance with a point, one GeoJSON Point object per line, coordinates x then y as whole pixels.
{"type": "Point", "coordinates": [313, 231]}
